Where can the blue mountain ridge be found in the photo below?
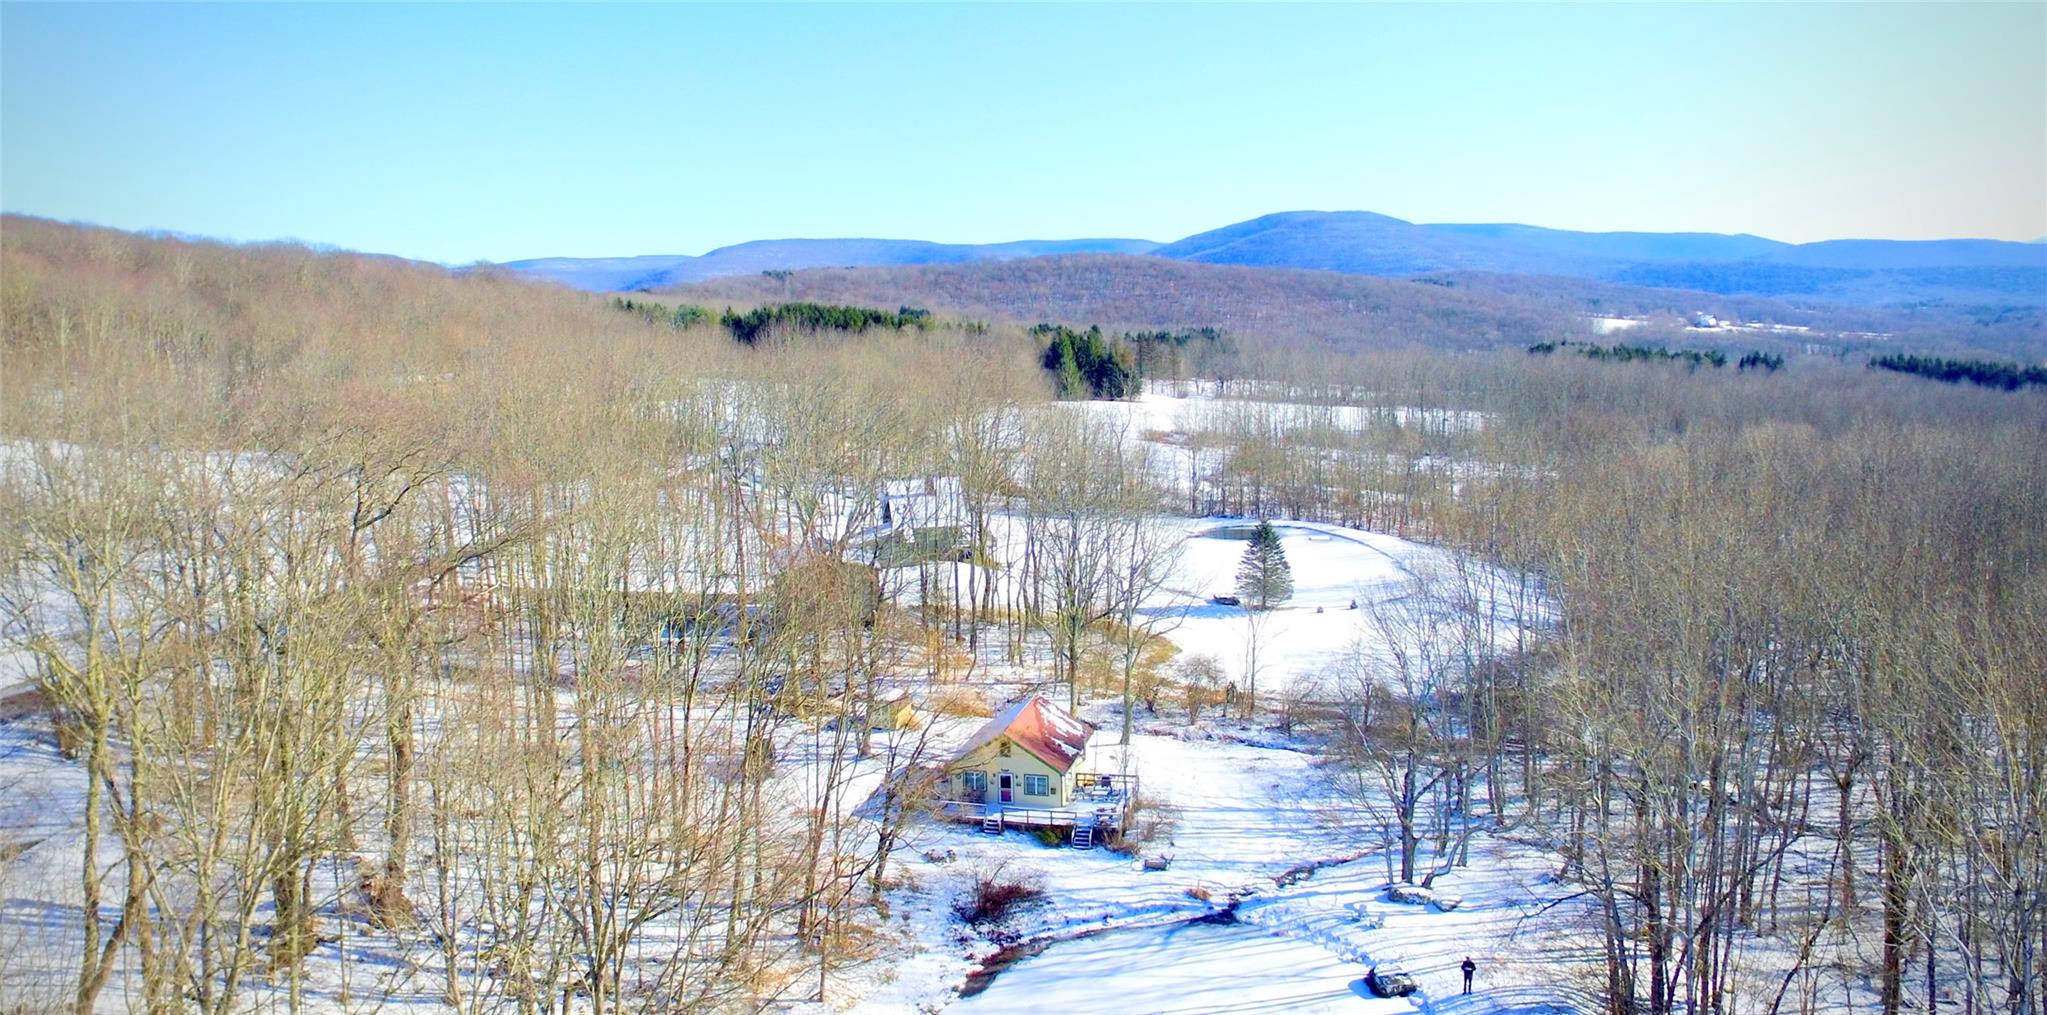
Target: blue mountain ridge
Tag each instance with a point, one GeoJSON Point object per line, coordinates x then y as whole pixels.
{"type": "Point", "coordinates": [1856, 271]}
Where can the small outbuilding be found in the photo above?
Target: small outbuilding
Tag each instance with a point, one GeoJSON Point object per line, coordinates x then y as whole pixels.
{"type": "Point", "coordinates": [899, 714]}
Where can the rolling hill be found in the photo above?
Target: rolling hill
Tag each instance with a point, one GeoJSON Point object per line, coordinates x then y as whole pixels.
{"type": "Point", "coordinates": [1450, 310]}
{"type": "Point", "coordinates": [1864, 272]}
{"type": "Point", "coordinates": [1121, 291]}
{"type": "Point", "coordinates": [1467, 310]}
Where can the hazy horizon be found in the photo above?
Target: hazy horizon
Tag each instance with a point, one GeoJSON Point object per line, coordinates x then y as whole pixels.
{"type": "Point", "coordinates": [455, 134]}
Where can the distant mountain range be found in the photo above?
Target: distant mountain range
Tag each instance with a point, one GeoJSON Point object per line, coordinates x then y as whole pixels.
{"type": "Point", "coordinates": [1860, 272]}
{"type": "Point", "coordinates": [652, 271]}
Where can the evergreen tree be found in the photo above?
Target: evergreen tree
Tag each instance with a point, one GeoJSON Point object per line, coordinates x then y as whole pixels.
{"type": "Point", "coordinates": [1068, 371]}
{"type": "Point", "coordinates": [1087, 365]}
{"type": "Point", "coordinates": [1263, 578]}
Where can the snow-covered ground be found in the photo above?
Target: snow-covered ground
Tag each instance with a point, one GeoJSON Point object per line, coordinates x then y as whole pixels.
{"type": "Point", "coordinates": [1167, 413]}
{"type": "Point", "coordinates": [1341, 578]}
{"type": "Point", "coordinates": [39, 810]}
{"type": "Point", "coordinates": [1609, 325]}
{"type": "Point", "coordinates": [1251, 814]}
{"type": "Point", "coordinates": [1260, 823]}
{"type": "Point", "coordinates": [1182, 968]}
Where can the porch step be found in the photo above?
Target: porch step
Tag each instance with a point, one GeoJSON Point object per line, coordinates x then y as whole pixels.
{"type": "Point", "coordinates": [1083, 837]}
{"type": "Point", "coordinates": [992, 824]}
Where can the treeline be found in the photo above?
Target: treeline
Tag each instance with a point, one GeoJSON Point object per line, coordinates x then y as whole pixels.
{"type": "Point", "coordinates": [1317, 309]}
{"type": "Point", "coordinates": [1792, 691]}
{"type": "Point", "coordinates": [1983, 373]}
{"type": "Point", "coordinates": [1091, 364]}
{"type": "Point", "coordinates": [682, 315]}
{"type": "Point", "coordinates": [748, 328]}
{"type": "Point", "coordinates": [1621, 353]}
{"type": "Point", "coordinates": [1760, 664]}
{"type": "Point", "coordinates": [1188, 352]}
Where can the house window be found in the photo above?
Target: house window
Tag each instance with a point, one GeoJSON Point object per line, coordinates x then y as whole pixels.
{"type": "Point", "coordinates": [974, 784]}
{"type": "Point", "coordinates": [1003, 748]}
{"type": "Point", "coordinates": [1037, 785]}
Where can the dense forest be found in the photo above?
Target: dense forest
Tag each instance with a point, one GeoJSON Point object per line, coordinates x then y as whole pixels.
{"type": "Point", "coordinates": [290, 538]}
{"type": "Point", "coordinates": [1984, 373]}
{"type": "Point", "coordinates": [1447, 311]}
{"type": "Point", "coordinates": [751, 326]}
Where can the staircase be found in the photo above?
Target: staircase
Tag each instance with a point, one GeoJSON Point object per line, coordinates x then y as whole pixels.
{"type": "Point", "coordinates": [1083, 837]}
{"type": "Point", "coordinates": [992, 823]}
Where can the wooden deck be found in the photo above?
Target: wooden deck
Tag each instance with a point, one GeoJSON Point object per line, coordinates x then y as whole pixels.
{"type": "Point", "coordinates": [1092, 806]}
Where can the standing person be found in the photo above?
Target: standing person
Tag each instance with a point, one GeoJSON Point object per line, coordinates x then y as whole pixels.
{"type": "Point", "coordinates": [1470, 967]}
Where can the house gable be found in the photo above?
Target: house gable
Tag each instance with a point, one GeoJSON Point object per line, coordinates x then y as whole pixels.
{"type": "Point", "coordinates": [990, 763]}
{"type": "Point", "coordinates": [1035, 727]}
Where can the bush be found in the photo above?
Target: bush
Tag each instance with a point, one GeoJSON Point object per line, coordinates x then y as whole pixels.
{"type": "Point", "coordinates": [996, 894]}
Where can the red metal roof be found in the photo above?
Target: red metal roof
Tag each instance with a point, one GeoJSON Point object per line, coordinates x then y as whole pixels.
{"type": "Point", "coordinates": [1050, 733]}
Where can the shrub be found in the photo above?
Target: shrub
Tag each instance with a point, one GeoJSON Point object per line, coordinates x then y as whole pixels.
{"type": "Point", "coordinates": [995, 894]}
{"type": "Point", "coordinates": [1149, 822]}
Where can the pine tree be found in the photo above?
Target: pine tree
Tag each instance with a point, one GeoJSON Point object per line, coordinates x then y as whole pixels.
{"type": "Point", "coordinates": [1071, 384]}
{"type": "Point", "coordinates": [1263, 578]}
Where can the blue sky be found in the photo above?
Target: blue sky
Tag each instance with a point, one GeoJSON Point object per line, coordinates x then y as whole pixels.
{"type": "Point", "coordinates": [462, 132]}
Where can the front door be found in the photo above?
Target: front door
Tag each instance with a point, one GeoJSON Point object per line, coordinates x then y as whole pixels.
{"type": "Point", "coordinates": [1008, 792]}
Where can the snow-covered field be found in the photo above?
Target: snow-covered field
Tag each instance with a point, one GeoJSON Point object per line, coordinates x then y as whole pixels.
{"type": "Point", "coordinates": [1158, 411]}
{"type": "Point", "coordinates": [1341, 577]}
{"type": "Point", "coordinates": [1609, 325]}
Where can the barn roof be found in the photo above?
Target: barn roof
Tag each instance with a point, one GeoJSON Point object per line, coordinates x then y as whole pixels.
{"type": "Point", "coordinates": [1050, 733]}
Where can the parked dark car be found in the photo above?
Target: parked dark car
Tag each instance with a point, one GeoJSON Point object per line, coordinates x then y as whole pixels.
{"type": "Point", "coordinates": [1389, 980]}
{"type": "Point", "coordinates": [1225, 600]}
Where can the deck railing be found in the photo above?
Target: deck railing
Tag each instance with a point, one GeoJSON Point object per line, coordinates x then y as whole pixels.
{"type": "Point", "coordinates": [1091, 805]}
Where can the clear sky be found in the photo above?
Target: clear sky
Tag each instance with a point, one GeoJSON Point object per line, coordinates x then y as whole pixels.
{"type": "Point", "coordinates": [466, 131]}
